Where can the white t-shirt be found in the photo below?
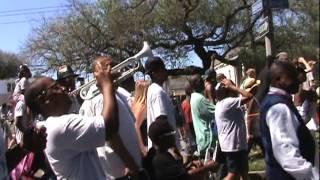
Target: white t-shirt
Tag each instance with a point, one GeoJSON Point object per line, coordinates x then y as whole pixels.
{"type": "Point", "coordinates": [75, 106]}
{"type": "Point", "coordinates": [22, 84]}
{"type": "Point", "coordinates": [19, 112]}
{"type": "Point", "coordinates": [71, 146]}
{"type": "Point", "coordinates": [231, 125]}
{"type": "Point", "coordinates": [111, 162]}
{"type": "Point", "coordinates": [3, 162]}
{"type": "Point", "coordinates": [159, 103]}
{"type": "Point", "coordinates": [126, 95]}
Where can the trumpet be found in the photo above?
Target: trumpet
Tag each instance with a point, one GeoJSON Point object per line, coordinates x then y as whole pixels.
{"type": "Point", "coordinates": [125, 69]}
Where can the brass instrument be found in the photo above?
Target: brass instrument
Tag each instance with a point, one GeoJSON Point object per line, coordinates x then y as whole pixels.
{"type": "Point", "coordinates": [125, 69]}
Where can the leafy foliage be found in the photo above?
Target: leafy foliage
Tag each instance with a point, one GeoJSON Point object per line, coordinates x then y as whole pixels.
{"type": "Point", "coordinates": [174, 28]}
{"type": "Point", "coordinates": [9, 64]}
{"type": "Point", "coordinates": [211, 29]}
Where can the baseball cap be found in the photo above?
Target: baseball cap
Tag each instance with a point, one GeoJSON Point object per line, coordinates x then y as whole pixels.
{"type": "Point", "coordinates": [65, 71]}
{"type": "Point", "coordinates": [153, 64]}
{"type": "Point", "coordinates": [209, 73]}
{"type": "Point", "coordinates": [160, 128]}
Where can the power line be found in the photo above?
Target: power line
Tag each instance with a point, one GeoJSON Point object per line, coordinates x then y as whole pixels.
{"type": "Point", "coordinates": [28, 13]}
{"type": "Point", "coordinates": [17, 22]}
{"type": "Point", "coordinates": [22, 21]}
{"type": "Point", "coordinates": [32, 9]}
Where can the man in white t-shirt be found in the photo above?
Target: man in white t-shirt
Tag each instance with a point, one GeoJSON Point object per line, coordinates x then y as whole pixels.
{"type": "Point", "coordinates": [159, 104]}
{"type": "Point", "coordinates": [231, 128]}
{"type": "Point", "coordinates": [72, 139]}
{"type": "Point", "coordinates": [112, 164]}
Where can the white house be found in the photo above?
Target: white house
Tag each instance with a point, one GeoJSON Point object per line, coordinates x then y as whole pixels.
{"type": "Point", "coordinates": [6, 89]}
{"type": "Point", "coordinates": [231, 72]}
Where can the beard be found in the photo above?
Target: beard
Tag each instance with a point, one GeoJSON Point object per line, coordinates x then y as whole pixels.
{"type": "Point", "coordinates": [293, 88]}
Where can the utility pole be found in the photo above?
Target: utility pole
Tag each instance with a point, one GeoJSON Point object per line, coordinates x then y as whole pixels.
{"type": "Point", "coordinates": [265, 28]}
{"type": "Point", "coordinates": [269, 36]}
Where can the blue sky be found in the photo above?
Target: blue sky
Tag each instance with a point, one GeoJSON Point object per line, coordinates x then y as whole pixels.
{"type": "Point", "coordinates": [17, 17]}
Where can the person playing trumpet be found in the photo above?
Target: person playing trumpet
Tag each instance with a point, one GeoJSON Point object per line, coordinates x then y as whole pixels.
{"type": "Point", "coordinates": [115, 164]}
{"type": "Point", "coordinates": [72, 139]}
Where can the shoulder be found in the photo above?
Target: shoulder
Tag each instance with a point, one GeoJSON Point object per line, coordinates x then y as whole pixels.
{"type": "Point", "coordinates": [71, 120]}
{"type": "Point", "coordinates": [154, 88]}
{"type": "Point", "coordinates": [197, 96]}
{"type": "Point", "coordinates": [230, 101]}
{"type": "Point", "coordinates": [279, 108]}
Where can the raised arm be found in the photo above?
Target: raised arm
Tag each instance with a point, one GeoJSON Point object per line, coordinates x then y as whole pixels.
{"type": "Point", "coordinates": [246, 96]}
{"type": "Point", "coordinates": [102, 73]}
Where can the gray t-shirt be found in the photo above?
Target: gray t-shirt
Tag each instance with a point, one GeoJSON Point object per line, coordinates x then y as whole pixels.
{"type": "Point", "coordinates": [231, 125]}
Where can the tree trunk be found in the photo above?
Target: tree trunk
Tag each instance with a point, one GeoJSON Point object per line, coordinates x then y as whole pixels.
{"type": "Point", "coordinates": [204, 56]}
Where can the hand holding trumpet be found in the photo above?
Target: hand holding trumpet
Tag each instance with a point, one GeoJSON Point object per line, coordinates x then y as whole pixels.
{"type": "Point", "coordinates": [102, 72]}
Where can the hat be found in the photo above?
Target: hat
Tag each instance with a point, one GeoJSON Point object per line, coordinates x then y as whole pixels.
{"type": "Point", "coordinates": [153, 64]}
{"type": "Point", "coordinates": [65, 71]}
{"type": "Point", "coordinates": [282, 56]}
{"type": "Point", "coordinates": [209, 73]}
{"type": "Point", "coordinates": [160, 128]}
{"type": "Point", "coordinates": [256, 84]}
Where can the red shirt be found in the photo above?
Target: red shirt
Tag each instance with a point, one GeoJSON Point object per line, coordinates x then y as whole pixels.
{"type": "Point", "coordinates": [186, 108]}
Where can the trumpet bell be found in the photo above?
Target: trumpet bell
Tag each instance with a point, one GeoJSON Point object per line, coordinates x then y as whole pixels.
{"type": "Point", "coordinates": [125, 69]}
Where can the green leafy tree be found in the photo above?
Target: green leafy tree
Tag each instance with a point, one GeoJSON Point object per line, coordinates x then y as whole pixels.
{"type": "Point", "coordinates": [211, 29]}
{"type": "Point", "coordinates": [173, 28]}
{"type": "Point", "coordinates": [9, 64]}
{"type": "Point", "coordinates": [296, 31]}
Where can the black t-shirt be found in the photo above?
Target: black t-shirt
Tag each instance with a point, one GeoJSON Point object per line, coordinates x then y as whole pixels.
{"type": "Point", "coordinates": [168, 168]}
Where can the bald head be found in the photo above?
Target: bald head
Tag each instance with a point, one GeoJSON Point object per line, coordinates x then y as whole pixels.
{"type": "Point", "coordinates": [284, 75]}
{"type": "Point", "coordinates": [103, 60]}
{"type": "Point", "coordinates": [251, 73]}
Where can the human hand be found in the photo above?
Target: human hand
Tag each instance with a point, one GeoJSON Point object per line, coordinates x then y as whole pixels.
{"type": "Point", "coordinates": [34, 139]}
{"type": "Point", "coordinates": [102, 73]}
{"type": "Point", "coordinates": [301, 60]}
{"type": "Point", "coordinates": [227, 83]}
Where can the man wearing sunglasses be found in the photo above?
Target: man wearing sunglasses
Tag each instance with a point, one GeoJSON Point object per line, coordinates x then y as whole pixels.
{"type": "Point", "coordinates": [72, 139]}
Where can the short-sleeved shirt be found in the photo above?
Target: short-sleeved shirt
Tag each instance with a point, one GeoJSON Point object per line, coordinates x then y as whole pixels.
{"type": "Point", "coordinates": [112, 164]}
{"type": "Point", "coordinates": [158, 104]}
{"type": "Point", "coordinates": [3, 162]}
{"type": "Point", "coordinates": [202, 116]}
{"type": "Point", "coordinates": [186, 108]}
{"type": "Point", "coordinates": [168, 168]}
{"type": "Point", "coordinates": [19, 112]}
{"type": "Point", "coordinates": [71, 146]}
{"type": "Point", "coordinates": [231, 125]}
{"type": "Point", "coordinates": [21, 85]}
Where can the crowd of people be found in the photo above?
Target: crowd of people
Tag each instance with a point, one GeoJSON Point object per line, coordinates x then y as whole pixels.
{"type": "Point", "coordinates": [148, 134]}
